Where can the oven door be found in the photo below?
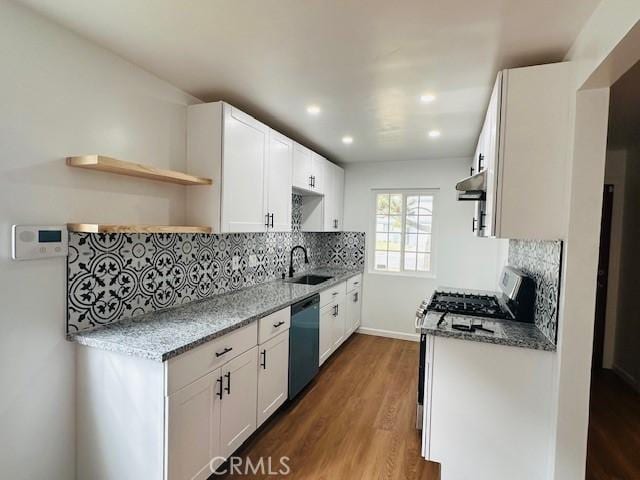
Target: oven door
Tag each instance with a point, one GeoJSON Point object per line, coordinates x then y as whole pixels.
{"type": "Point", "coordinates": [427, 391]}
{"type": "Point", "coordinates": [421, 373]}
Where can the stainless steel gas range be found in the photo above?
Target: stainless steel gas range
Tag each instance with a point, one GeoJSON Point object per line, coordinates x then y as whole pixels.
{"type": "Point", "coordinates": [515, 301]}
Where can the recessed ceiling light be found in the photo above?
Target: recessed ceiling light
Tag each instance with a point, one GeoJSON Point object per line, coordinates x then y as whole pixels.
{"type": "Point", "coordinates": [427, 98]}
{"type": "Point", "coordinates": [313, 109]}
{"type": "Point", "coordinates": [347, 139]}
{"type": "Point", "coordinates": [434, 133]}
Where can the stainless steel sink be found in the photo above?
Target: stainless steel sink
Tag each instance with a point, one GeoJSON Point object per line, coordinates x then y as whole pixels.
{"type": "Point", "coordinates": [309, 279]}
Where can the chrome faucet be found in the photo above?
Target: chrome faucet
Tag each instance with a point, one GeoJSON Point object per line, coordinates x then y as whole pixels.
{"type": "Point", "coordinates": [306, 258]}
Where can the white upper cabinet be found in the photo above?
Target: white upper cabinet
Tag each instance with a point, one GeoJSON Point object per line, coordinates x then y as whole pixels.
{"type": "Point", "coordinates": [244, 155]}
{"type": "Point", "coordinates": [333, 197]}
{"type": "Point", "coordinates": [279, 174]}
{"type": "Point", "coordinates": [525, 147]}
{"type": "Point", "coordinates": [231, 147]}
{"type": "Point", "coordinates": [255, 170]}
{"type": "Point", "coordinates": [308, 170]}
{"type": "Point", "coordinates": [318, 167]}
{"type": "Point", "coordinates": [302, 167]}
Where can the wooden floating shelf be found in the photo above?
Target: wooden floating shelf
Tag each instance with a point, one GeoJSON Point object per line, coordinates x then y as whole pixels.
{"type": "Point", "coordinates": [111, 165]}
{"type": "Point", "coordinates": [111, 228]}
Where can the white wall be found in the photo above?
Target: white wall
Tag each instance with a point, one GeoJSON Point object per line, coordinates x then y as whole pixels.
{"type": "Point", "coordinates": [610, 23]}
{"type": "Point", "coordinates": [60, 95]}
{"type": "Point", "coordinates": [462, 260]}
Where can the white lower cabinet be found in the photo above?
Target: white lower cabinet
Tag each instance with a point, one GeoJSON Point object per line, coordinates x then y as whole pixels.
{"type": "Point", "coordinates": [238, 406]}
{"type": "Point", "coordinates": [353, 309]}
{"type": "Point", "coordinates": [181, 418]}
{"type": "Point", "coordinates": [210, 418]}
{"type": "Point", "coordinates": [273, 375]}
{"type": "Point", "coordinates": [491, 402]}
{"type": "Point", "coordinates": [194, 413]}
{"type": "Point", "coordinates": [339, 315]}
{"type": "Point", "coordinates": [326, 333]}
{"type": "Point", "coordinates": [339, 323]}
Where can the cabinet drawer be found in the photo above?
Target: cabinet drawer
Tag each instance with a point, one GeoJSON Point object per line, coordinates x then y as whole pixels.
{"type": "Point", "coordinates": [272, 325]}
{"type": "Point", "coordinates": [191, 365]}
{"type": "Point", "coordinates": [354, 282]}
{"type": "Point", "coordinates": [332, 294]}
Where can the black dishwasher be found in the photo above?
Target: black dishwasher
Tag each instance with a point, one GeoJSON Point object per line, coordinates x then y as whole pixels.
{"type": "Point", "coordinates": [304, 345]}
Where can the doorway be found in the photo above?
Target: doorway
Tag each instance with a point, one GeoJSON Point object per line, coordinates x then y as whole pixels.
{"type": "Point", "coordinates": [602, 281]}
{"type": "Point", "coordinates": [614, 409]}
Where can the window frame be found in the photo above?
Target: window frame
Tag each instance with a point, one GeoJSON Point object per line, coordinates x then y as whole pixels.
{"type": "Point", "coordinates": [371, 250]}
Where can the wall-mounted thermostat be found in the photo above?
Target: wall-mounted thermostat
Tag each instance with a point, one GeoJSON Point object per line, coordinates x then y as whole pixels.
{"type": "Point", "coordinates": [30, 242]}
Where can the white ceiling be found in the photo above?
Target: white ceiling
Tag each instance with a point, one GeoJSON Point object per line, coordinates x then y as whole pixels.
{"type": "Point", "coordinates": [365, 62]}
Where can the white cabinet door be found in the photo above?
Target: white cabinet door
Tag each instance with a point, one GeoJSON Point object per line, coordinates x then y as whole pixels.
{"type": "Point", "coordinates": [507, 383]}
{"type": "Point", "coordinates": [491, 158]}
{"type": "Point", "coordinates": [339, 323]}
{"type": "Point", "coordinates": [353, 310]}
{"type": "Point", "coordinates": [243, 173]}
{"type": "Point", "coordinates": [193, 436]}
{"type": "Point", "coordinates": [273, 375]}
{"type": "Point", "coordinates": [326, 332]}
{"type": "Point", "coordinates": [279, 174]}
{"type": "Point", "coordinates": [318, 167]}
{"type": "Point", "coordinates": [333, 183]}
{"type": "Point", "coordinates": [338, 195]}
{"type": "Point", "coordinates": [329, 206]}
{"type": "Point", "coordinates": [239, 400]}
{"type": "Point", "coordinates": [302, 166]}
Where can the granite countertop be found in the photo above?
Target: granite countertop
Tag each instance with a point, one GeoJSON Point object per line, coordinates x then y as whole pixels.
{"type": "Point", "coordinates": [506, 332]}
{"type": "Point", "coordinates": [164, 334]}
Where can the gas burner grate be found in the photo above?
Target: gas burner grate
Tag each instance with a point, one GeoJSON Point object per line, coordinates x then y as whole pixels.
{"type": "Point", "coordinates": [467, 304]}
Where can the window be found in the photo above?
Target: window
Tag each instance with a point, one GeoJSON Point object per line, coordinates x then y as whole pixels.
{"type": "Point", "coordinates": [403, 231]}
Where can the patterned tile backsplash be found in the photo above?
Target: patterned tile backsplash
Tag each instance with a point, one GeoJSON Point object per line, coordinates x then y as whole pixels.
{"type": "Point", "coordinates": [113, 276]}
{"type": "Point", "coordinates": [542, 260]}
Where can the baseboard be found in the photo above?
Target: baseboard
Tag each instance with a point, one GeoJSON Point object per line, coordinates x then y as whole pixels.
{"type": "Point", "coordinates": [412, 337]}
{"type": "Point", "coordinates": [626, 377]}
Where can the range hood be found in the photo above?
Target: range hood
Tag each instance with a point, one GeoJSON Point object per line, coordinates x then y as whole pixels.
{"type": "Point", "coordinates": [473, 188]}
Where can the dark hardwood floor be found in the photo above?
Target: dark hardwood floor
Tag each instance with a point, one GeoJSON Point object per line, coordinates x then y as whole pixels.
{"type": "Point", "coordinates": [355, 421]}
{"type": "Point", "coordinates": [613, 448]}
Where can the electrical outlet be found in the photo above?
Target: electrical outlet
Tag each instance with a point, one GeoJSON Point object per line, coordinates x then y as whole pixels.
{"type": "Point", "coordinates": [235, 263]}
{"type": "Point", "coordinates": [253, 260]}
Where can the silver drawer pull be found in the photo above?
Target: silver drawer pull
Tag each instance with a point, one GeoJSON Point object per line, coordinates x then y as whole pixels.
{"type": "Point", "coordinates": [225, 351]}
{"type": "Point", "coordinates": [279, 324]}
{"type": "Point", "coordinates": [356, 283]}
{"type": "Point", "coordinates": [335, 293]}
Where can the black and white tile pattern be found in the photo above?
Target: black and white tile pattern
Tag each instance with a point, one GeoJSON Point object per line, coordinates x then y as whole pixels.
{"type": "Point", "coordinates": [542, 260]}
{"type": "Point", "coordinates": [115, 276]}
{"type": "Point", "coordinates": [165, 333]}
{"type": "Point", "coordinates": [297, 201]}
